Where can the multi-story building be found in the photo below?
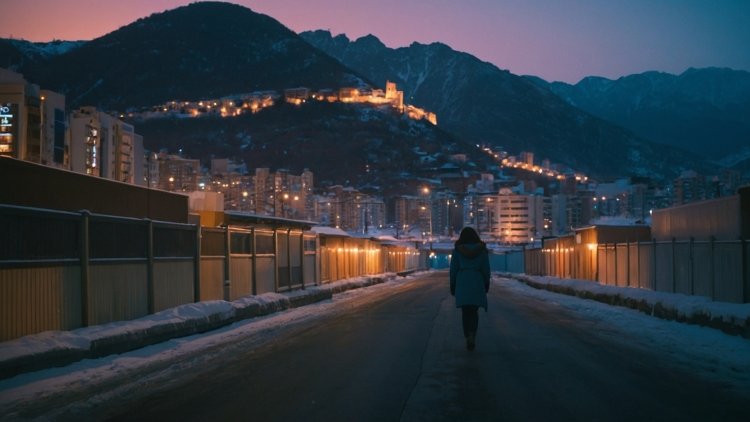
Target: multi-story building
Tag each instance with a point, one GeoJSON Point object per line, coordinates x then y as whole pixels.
{"type": "Point", "coordinates": [409, 213]}
{"type": "Point", "coordinates": [177, 174]}
{"type": "Point", "coordinates": [282, 194]}
{"type": "Point", "coordinates": [521, 218]}
{"type": "Point", "coordinates": [104, 146]}
{"type": "Point", "coordinates": [348, 209]}
{"type": "Point", "coordinates": [689, 187]}
{"type": "Point", "coordinates": [33, 124]}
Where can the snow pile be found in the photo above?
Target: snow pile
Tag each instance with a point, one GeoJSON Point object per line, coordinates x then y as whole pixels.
{"type": "Point", "coordinates": [732, 318]}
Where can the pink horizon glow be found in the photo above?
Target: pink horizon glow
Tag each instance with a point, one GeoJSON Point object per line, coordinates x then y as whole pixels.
{"type": "Point", "coordinates": [563, 41]}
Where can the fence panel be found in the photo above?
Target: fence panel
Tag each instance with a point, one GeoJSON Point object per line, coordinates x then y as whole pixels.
{"type": "Point", "coordinates": [683, 265]}
{"type": "Point", "coordinates": [213, 261]}
{"type": "Point", "coordinates": [295, 259]}
{"type": "Point", "coordinates": [310, 264]}
{"type": "Point", "coordinates": [173, 283]}
{"type": "Point", "coordinates": [634, 266]}
{"type": "Point", "coordinates": [265, 262]}
{"type": "Point", "coordinates": [664, 267]}
{"type": "Point", "coordinates": [728, 272]}
{"type": "Point", "coordinates": [33, 235]}
{"type": "Point", "coordinates": [40, 272]}
{"type": "Point", "coordinates": [37, 299]}
{"type": "Point", "coordinates": [623, 265]}
{"type": "Point", "coordinates": [601, 264]}
{"type": "Point", "coordinates": [611, 265]}
{"type": "Point", "coordinates": [282, 253]}
{"type": "Point", "coordinates": [212, 278]}
{"type": "Point", "coordinates": [702, 269]}
{"type": "Point", "coordinates": [240, 276]}
{"type": "Point", "coordinates": [646, 265]}
{"type": "Point", "coordinates": [117, 292]}
{"type": "Point", "coordinates": [175, 250]}
{"type": "Point", "coordinates": [265, 268]}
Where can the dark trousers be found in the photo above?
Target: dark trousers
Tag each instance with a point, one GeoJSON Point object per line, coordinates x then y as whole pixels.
{"type": "Point", "coordinates": [470, 318]}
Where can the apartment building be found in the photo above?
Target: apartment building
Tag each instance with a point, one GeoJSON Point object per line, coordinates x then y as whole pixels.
{"type": "Point", "coordinates": [33, 125]}
{"type": "Point", "coordinates": [521, 218]}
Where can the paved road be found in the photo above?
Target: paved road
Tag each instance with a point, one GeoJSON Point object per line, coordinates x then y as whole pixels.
{"type": "Point", "coordinates": [402, 358]}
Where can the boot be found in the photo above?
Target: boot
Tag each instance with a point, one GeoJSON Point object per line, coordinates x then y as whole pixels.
{"type": "Point", "coordinates": [470, 342]}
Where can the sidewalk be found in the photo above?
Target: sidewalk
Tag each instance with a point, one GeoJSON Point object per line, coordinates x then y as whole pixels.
{"type": "Point", "coordinates": [59, 348]}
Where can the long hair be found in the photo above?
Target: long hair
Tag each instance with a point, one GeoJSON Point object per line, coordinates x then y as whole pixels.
{"type": "Point", "coordinates": [468, 235]}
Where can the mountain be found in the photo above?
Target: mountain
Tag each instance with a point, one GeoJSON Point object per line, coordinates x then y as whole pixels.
{"type": "Point", "coordinates": [20, 53]}
{"type": "Point", "coordinates": [488, 105]}
{"type": "Point", "coordinates": [211, 49]}
{"type": "Point", "coordinates": [203, 50]}
{"type": "Point", "coordinates": [706, 111]}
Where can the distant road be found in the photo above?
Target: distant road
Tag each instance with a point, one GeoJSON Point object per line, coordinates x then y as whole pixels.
{"type": "Point", "coordinates": [401, 357]}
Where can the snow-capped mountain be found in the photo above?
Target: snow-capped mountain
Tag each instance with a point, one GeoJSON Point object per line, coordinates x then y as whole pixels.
{"type": "Point", "coordinates": [486, 104]}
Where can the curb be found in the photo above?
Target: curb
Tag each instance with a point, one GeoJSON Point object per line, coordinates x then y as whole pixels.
{"type": "Point", "coordinates": [63, 348]}
{"type": "Point", "coordinates": [659, 309]}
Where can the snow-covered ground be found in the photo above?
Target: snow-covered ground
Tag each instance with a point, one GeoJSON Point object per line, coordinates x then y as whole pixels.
{"type": "Point", "coordinates": [710, 352]}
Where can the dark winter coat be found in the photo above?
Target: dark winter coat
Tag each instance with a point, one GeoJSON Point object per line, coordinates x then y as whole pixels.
{"type": "Point", "coordinates": [470, 274]}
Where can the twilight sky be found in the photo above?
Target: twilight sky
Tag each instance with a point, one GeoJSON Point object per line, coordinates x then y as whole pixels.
{"type": "Point", "coordinates": [558, 40]}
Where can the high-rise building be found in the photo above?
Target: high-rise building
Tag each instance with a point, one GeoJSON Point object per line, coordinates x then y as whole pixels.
{"type": "Point", "coordinates": [178, 174]}
{"type": "Point", "coordinates": [32, 122]}
{"type": "Point", "coordinates": [102, 145]}
{"type": "Point", "coordinates": [521, 218]}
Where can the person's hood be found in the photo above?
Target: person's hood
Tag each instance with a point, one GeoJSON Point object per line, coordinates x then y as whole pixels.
{"type": "Point", "coordinates": [472, 250]}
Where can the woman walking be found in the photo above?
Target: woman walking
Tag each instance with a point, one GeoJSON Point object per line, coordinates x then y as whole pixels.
{"type": "Point", "coordinates": [470, 280]}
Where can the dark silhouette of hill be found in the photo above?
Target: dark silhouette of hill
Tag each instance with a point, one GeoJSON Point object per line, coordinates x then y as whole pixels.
{"type": "Point", "coordinates": [345, 144]}
{"type": "Point", "coordinates": [203, 50]}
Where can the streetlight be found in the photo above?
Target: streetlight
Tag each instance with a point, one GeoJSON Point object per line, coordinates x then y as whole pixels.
{"type": "Point", "coordinates": [426, 192]}
{"type": "Point", "coordinates": [448, 217]}
{"type": "Point", "coordinates": [489, 214]}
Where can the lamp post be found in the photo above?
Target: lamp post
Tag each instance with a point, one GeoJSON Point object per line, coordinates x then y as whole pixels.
{"type": "Point", "coordinates": [489, 215]}
{"type": "Point", "coordinates": [428, 206]}
{"type": "Point", "coordinates": [447, 217]}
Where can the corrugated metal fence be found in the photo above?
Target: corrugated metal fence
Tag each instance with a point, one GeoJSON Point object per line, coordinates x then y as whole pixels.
{"type": "Point", "coordinates": [716, 269]}
{"type": "Point", "coordinates": [62, 270]}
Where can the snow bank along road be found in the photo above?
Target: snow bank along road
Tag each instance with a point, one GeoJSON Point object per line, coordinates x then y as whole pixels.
{"type": "Point", "coordinates": [395, 351]}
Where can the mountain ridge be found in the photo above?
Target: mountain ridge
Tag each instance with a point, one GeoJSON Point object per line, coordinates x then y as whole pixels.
{"type": "Point", "coordinates": [490, 105]}
{"type": "Point", "coordinates": [205, 49]}
{"type": "Point", "coordinates": [706, 111]}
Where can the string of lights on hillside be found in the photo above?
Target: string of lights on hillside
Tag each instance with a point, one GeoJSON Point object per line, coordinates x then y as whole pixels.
{"type": "Point", "coordinates": [527, 164]}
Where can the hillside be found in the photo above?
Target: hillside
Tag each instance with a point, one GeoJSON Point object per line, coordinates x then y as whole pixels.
{"type": "Point", "coordinates": [343, 144]}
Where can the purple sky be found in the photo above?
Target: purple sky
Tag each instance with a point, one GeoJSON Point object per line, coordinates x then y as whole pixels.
{"type": "Point", "coordinates": [555, 39]}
